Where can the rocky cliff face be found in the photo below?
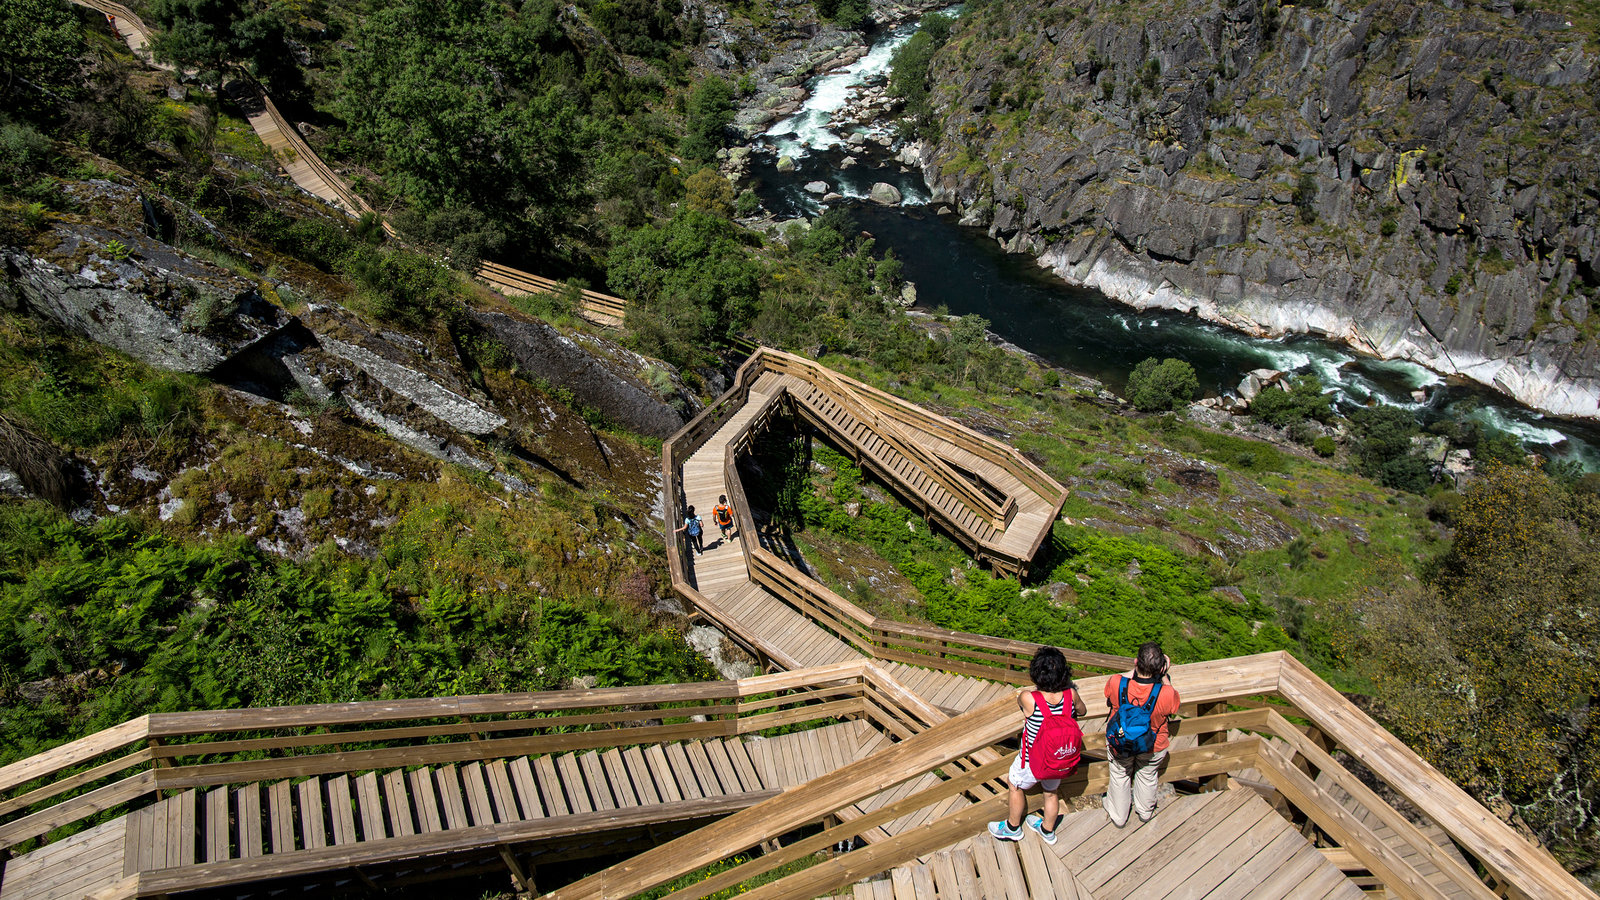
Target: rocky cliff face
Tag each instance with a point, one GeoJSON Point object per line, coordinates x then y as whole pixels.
{"type": "Point", "coordinates": [1414, 179]}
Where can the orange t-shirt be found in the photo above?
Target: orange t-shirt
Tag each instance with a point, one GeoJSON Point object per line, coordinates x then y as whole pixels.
{"type": "Point", "coordinates": [1138, 693]}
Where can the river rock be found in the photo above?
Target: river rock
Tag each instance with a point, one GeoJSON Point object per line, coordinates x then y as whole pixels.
{"type": "Point", "coordinates": [785, 163]}
{"type": "Point", "coordinates": [849, 162]}
{"type": "Point", "coordinates": [856, 140]}
{"type": "Point", "coordinates": [816, 187]}
{"type": "Point", "coordinates": [908, 295]}
{"type": "Point", "coordinates": [884, 193]}
{"type": "Point", "coordinates": [832, 197]}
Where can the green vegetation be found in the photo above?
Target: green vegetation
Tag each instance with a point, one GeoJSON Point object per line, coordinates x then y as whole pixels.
{"type": "Point", "coordinates": [1304, 400]}
{"type": "Point", "coordinates": [1117, 592]}
{"type": "Point", "coordinates": [1488, 667]}
{"type": "Point", "coordinates": [1165, 385]}
{"type": "Point", "coordinates": [909, 77]}
{"type": "Point", "coordinates": [40, 41]}
{"type": "Point", "coordinates": [107, 622]}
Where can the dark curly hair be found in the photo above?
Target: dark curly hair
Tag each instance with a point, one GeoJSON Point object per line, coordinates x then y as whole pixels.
{"type": "Point", "coordinates": [1049, 670]}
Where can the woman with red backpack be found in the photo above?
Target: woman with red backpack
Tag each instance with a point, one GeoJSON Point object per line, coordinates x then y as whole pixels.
{"type": "Point", "coordinates": [1052, 746]}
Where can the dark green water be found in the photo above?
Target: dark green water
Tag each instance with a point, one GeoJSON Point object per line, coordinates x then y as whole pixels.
{"type": "Point", "coordinates": [965, 271]}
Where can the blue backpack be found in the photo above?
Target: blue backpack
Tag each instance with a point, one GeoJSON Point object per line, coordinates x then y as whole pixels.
{"type": "Point", "coordinates": [1129, 731]}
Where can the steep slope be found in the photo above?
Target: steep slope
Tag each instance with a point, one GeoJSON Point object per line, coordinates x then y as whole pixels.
{"type": "Point", "coordinates": [1414, 179]}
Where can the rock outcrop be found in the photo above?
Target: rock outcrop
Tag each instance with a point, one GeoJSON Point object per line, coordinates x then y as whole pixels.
{"type": "Point", "coordinates": [604, 375]}
{"type": "Point", "coordinates": [1413, 179]}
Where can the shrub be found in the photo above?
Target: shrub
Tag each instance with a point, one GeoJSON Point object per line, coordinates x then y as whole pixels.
{"type": "Point", "coordinates": [1154, 386]}
{"type": "Point", "coordinates": [1302, 401]}
{"type": "Point", "coordinates": [1324, 446]}
{"type": "Point", "coordinates": [708, 192]}
{"type": "Point", "coordinates": [1389, 227]}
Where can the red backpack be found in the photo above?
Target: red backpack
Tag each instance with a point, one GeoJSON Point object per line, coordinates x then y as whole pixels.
{"type": "Point", "coordinates": [1058, 748]}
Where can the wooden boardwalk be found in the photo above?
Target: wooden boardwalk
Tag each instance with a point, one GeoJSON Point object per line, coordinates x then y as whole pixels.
{"type": "Point", "coordinates": [1227, 845]}
{"type": "Point", "coordinates": [261, 830]}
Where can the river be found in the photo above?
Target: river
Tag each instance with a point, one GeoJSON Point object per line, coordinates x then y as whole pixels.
{"type": "Point", "coordinates": [1081, 330]}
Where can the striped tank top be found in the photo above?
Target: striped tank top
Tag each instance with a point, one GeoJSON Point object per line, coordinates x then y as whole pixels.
{"type": "Point", "coordinates": [1030, 725]}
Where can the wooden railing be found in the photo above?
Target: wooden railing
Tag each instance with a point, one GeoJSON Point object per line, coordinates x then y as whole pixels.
{"type": "Point", "coordinates": [1230, 739]}
{"type": "Point", "coordinates": [996, 513]}
{"type": "Point", "coordinates": [113, 770]}
{"type": "Point", "coordinates": [602, 309]}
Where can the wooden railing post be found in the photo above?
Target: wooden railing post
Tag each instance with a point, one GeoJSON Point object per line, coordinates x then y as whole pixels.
{"type": "Point", "coordinates": [1218, 782]}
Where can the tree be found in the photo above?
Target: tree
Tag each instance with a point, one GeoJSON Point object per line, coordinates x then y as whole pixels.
{"type": "Point", "coordinates": [1168, 384]}
{"type": "Point", "coordinates": [1383, 448]}
{"type": "Point", "coordinates": [708, 192]}
{"type": "Point", "coordinates": [1490, 671]}
{"type": "Point", "coordinates": [690, 283]}
{"type": "Point", "coordinates": [210, 35]}
{"type": "Point", "coordinates": [710, 109]}
{"type": "Point", "coordinates": [39, 42]}
{"type": "Point", "coordinates": [470, 107]}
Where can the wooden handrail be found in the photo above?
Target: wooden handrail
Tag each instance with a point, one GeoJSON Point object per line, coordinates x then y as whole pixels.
{"type": "Point", "coordinates": [364, 735]}
{"type": "Point", "coordinates": [979, 503]}
{"type": "Point", "coordinates": [1513, 860]}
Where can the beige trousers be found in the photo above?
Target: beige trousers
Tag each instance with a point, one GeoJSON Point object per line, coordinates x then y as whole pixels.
{"type": "Point", "coordinates": [1133, 783]}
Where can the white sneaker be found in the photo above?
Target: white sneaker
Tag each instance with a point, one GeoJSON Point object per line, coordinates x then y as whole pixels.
{"type": "Point", "coordinates": [1003, 831]}
{"type": "Point", "coordinates": [1036, 822]}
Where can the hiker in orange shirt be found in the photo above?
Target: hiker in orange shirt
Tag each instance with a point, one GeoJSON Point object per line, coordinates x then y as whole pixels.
{"type": "Point", "coordinates": [1136, 733]}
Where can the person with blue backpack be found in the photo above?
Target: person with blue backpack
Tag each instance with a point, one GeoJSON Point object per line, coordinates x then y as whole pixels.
{"type": "Point", "coordinates": [1052, 746]}
{"type": "Point", "coordinates": [1140, 701]}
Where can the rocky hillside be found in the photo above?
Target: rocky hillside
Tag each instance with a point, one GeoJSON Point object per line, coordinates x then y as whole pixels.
{"type": "Point", "coordinates": [1417, 180]}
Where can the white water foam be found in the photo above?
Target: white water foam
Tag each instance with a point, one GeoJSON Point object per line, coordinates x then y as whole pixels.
{"type": "Point", "coordinates": [1527, 432]}
{"type": "Point", "coordinates": [807, 129]}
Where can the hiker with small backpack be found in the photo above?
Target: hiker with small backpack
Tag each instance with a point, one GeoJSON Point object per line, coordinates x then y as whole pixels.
{"type": "Point", "coordinates": [1141, 701]}
{"type": "Point", "coordinates": [722, 514]}
{"type": "Point", "coordinates": [1052, 746]}
{"type": "Point", "coordinates": [691, 527]}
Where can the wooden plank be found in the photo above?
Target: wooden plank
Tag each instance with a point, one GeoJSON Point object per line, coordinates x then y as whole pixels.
{"type": "Point", "coordinates": [1062, 879]}
{"type": "Point", "coordinates": [1231, 857]}
{"type": "Point", "coordinates": [370, 806]}
{"type": "Point", "coordinates": [1244, 881]}
{"type": "Point", "coordinates": [707, 774]}
{"type": "Point", "coordinates": [962, 860]}
{"type": "Point", "coordinates": [599, 786]}
{"type": "Point", "coordinates": [572, 783]}
{"type": "Point", "coordinates": [1137, 844]}
{"type": "Point", "coordinates": [501, 791]}
{"type": "Point", "coordinates": [550, 792]}
{"type": "Point", "coordinates": [1211, 818]}
{"type": "Point", "coordinates": [990, 878]}
{"type": "Point", "coordinates": [617, 776]}
{"type": "Point", "coordinates": [1039, 882]}
{"type": "Point", "coordinates": [218, 826]}
{"type": "Point", "coordinates": [1180, 868]}
{"type": "Point", "coordinates": [425, 797]}
{"type": "Point", "coordinates": [1286, 881]}
{"type": "Point", "coordinates": [1513, 860]}
{"type": "Point", "coordinates": [901, 883]}
{"type": "Point", "coordinates": [527, 788]}
{"type": "Point", "coordinates": [397, 802]}
{"type": "Point", "coordinates": [450, 795]}
{"type": "Point", "coordinates": [683, 772]}
{"type": "Point", "coordinates": [477, 787]}
{"type": "Point", "coordinates": [1341, 825]}
{"type": "Point", "coordinates": [334, 858]}
{"type": "Point", "coordinates": [661, 771]}
{"type": "Point", "coordinates": [247, 800]}
{"type": "Point", "coordinates": [1016, 885]}
{"type": "Point", "coordinates": [341, 810]}
{"type": "Point", "coordinates": [644, 784]}
{"type": "Point", "coordinates": [280, 817]}
{"type": "Point", "coordinates": [313, 831]}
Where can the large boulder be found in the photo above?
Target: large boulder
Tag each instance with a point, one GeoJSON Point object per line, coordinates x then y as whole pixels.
{"type": "Point", "coordinates": [884, 193]}
{"type": "Point", "coordinates": [602, 374]}
{"type": "Point", "coordinates": [141, 297]}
